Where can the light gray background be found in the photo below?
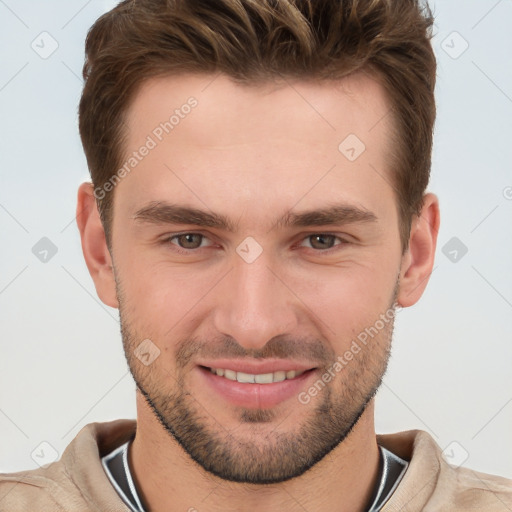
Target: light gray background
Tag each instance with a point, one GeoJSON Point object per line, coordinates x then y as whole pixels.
{"type": "Point", "coordinates": [61, 361]}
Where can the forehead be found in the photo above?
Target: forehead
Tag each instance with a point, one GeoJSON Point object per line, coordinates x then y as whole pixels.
{"type": "Point", "coordinates": [357, 102]}
{"type": "Point", "coordinates": [278, 142]}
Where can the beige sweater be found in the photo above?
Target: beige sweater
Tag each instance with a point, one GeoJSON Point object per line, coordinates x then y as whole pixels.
{"type": "Point", "coordinates": [77, 482]}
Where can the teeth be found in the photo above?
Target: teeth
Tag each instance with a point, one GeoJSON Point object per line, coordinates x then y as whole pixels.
{"type": "Point", "coordinates": [230, 374]}
{"type": "Point", "coordinates": [279, 376]}
{"type": "Point", "coordinates": [262, 378]}
{"type": "Point", "coordinates": [245, 377]}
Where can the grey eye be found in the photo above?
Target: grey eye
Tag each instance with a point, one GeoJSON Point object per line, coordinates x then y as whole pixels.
{"type": "Point", "coordinates": [322, 241]}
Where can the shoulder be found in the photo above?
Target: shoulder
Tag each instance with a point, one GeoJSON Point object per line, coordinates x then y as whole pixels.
{"type": "Point", "coordinates": [432, 484]}
{"type": "Point", "coordinates": [75, 482]}
{"type": "Point", "coordinates": [38, 489]}
{"type": "Point", "coordinates": [473, 490]}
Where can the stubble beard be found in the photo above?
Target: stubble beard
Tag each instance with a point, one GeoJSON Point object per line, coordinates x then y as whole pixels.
{"type": "Point", "coordinates": [268, 454]}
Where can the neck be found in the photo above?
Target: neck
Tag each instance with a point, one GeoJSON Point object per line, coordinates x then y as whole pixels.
{"type": "Point", "coordinates": [168, 479]}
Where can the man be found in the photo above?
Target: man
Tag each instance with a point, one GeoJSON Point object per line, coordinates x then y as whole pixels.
{"type": "Point", "coordinates": [257, 213]}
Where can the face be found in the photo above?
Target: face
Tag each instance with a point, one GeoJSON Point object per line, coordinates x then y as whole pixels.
{"type": "Point", "coordinates": [256, 253]}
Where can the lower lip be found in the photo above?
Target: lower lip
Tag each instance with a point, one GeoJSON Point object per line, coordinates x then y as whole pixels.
{"type": "Point", "coordinates": [255, 396]}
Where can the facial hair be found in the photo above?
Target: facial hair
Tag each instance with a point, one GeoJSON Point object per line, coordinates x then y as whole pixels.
{"type": "Point", "coordinates": [260, 458]}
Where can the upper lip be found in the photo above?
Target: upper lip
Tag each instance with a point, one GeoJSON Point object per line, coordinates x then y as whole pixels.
{"type": "Point", "coordinates": [257, 367]}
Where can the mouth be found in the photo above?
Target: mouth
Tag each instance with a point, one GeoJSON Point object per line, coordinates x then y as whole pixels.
{"type": "Point", "coordinates": [257, 378]}
{"type": "Point", "coordinates": [266, 386]}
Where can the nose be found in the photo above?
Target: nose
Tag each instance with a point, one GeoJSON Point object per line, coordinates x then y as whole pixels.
{"type": "Point", "coordinates": [254, 304]}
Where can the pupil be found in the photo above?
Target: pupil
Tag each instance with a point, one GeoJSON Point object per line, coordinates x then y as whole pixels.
{"type": "Point", "coordinates": [188, 240]}
{"type": "Point", "coordinates": [323, 239]}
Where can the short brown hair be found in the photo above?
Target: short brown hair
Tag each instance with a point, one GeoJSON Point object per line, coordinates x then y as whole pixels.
{"type": "Point", "coordinates": [255, 40]}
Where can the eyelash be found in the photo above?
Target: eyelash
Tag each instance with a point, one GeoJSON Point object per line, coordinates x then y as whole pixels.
{"type": "Point", "coordinates": [181, 250]}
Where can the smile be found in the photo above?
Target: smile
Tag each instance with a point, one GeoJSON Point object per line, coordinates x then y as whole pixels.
{"type": "Point", "coordinates": [260, 378]}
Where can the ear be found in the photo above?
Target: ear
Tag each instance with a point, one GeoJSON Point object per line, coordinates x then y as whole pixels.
{"type": "Point", "coordinates": [418, 260]}
{"type": "Point", "coordinates": [94, 245]}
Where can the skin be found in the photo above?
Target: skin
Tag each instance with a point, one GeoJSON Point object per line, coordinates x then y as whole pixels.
{"type": "Point", "coordinates": [253, 154]}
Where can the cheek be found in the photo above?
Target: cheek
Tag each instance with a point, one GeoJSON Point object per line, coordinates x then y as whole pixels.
{"type": "Point", "coordinates": [348, 301]}
{"type": "Point", "coordinates": [161, 296]}
{"type": "Point", "coordinates": [167, 301]}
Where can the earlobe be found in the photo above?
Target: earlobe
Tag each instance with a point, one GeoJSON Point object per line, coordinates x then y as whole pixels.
{"type": "Point", "coordinates": [418, 261]}
{"type": "Point", "coordinates": [94, 246]}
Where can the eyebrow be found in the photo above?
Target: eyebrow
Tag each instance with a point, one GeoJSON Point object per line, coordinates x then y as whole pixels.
{"type": "Point", "coordinates": [159, 212]}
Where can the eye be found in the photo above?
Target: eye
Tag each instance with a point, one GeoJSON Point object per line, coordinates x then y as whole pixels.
{"type": "Point", "coordinates": [185, 242]}
{"type": "Point", "coordinates": [323, 241]}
